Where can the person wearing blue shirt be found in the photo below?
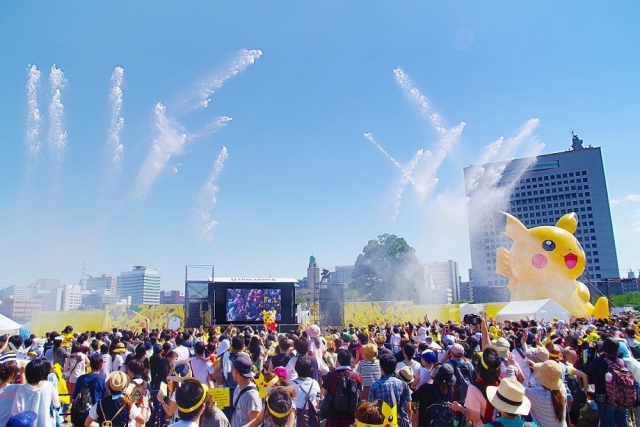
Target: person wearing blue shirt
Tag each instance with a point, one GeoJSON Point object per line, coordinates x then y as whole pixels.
{"type": "Point", "coordinates": [94, 380]}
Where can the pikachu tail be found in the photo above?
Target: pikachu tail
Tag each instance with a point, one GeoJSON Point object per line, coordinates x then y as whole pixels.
{"type": "Point", "coordinates": [601, 309]}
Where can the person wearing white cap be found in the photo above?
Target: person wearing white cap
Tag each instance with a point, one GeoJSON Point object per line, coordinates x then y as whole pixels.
{"type": "Point", "coordinates": [510, 401]}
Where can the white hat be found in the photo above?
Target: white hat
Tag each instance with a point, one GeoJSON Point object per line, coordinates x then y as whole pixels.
{"type": "Point", "coordinates": [509, 397]}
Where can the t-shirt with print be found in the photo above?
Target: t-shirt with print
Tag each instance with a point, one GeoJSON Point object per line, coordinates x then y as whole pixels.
{"type": "Point", "coordinates": [249, 402]}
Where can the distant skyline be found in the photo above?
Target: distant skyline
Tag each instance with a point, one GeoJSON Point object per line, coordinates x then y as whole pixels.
{"type": "Point", "coordinates": [251, 137]}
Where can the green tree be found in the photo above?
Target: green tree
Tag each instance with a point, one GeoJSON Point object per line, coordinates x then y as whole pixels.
{"type": "Point", "coordinates": [630, 298]}
{"type": "Point", "coordinates": [388, 270]}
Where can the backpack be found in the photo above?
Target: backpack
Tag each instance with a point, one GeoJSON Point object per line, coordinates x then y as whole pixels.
{"type": "Point", "coordinates": [308, 415]}
{"type": "Point", "coordinates": [464, 378]}
{"type": "Point", "coordinates": [440, 413]}
{"type": "Point", "coordinates": [82, 403]}
{"type": "Point", "coordinates": [588, 416]}
{"type": "Point", "coordinates": [347, 394]}
{"type": "Point", "coordinates": [622, 390]}
{"type": "Point", "coordinates": [109, 422]}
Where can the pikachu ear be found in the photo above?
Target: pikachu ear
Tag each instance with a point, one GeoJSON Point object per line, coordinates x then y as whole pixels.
{"type": "Point", "coordinates": [568, 222]}
{"type": "Point", "coordinates": [514, 229]}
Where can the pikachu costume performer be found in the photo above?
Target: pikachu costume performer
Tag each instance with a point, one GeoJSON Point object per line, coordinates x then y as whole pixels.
{"type": "Point", "coordinates": [269, 319]}
{"type": "Point", "coordinates": [544, 262]}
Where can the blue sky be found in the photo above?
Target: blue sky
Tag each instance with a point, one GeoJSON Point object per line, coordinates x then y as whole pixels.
{"type": "Point", "coordinates": [302, 82]}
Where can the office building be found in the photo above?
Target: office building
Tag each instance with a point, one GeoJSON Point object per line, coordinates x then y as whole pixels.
{"type": "Point", "coordinates": [106, 282]}
{"type": "Point", "coordinates": [539, 191]}
{"type": "Point", "coordinates": [20, 309]}
{"type": "Point", "coordinates": [313, 272]}
{"type": "Point", "coordinates": [15, 291]}
{"type": "Point", "coordinates": [72, 297]}
{"type": "Point", "coordinates": [466, 291]}
{"type": "Point", "coordinates": [443, 282]}
{"type": "Point", "coordinates": [141, 284]}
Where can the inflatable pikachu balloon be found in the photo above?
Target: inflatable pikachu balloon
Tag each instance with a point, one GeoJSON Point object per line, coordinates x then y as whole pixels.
{"type": "Point", "coordinates": [544, 262]}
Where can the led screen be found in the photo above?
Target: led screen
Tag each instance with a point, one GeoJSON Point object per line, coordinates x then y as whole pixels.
{"type": "Point", "coordinates": [246, 305]}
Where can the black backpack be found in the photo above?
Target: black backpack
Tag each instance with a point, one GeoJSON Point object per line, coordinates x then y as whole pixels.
{"type": "Point", "coordinates": [464, 378]}
{"type": "Point", "coordinates": [440, 413]}
{"type": "Point", "coordinates": [82, 403]}
{"type": "Point", "coordinates": [347, 394]}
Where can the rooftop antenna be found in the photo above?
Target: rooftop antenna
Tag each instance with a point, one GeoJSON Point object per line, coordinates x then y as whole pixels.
{"type": "Point", "coordinates": [576, 142]}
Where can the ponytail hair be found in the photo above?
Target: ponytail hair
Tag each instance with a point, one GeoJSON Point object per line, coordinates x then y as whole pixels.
{"type": "Point", "coordinates": [558, 400]}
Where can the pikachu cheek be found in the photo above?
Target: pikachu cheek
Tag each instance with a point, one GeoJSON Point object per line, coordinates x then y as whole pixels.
{"type": "Point", "coordinates": [539, 261]}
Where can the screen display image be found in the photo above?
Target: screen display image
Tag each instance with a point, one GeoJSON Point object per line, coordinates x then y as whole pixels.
{"type": "Point", "coordinates": [246, 305]}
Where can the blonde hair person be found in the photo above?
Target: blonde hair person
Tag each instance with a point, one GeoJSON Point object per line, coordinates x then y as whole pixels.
{"type": "Point", "coordinates": [368, 368]}
{"type": "Point", "coordinates": [549, 402]}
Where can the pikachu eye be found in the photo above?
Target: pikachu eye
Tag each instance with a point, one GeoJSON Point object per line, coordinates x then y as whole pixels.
{"type": "Point", "coordinates": [548, 245]}
{"type": "Point", "coordinates": [390, 419]}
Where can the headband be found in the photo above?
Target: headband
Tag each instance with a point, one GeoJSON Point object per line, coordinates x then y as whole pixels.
{"type": "Point", "coordinates": [277, 414]}
{"type": "Point", "coordinates": [205, 390]}
{"type": "Point", "coordinates": [484, 364]}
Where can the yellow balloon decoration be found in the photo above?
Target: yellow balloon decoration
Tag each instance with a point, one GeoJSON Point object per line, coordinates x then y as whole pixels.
{"type": "Point", "coordinates": [601, 309]}
{"type": "Point", "coordinates": [544, 262]}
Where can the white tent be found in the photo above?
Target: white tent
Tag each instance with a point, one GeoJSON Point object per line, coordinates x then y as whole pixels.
{"type": "Point", "coordinates": [465, 309]}
{"type": "Point", "coordinates": [8, 326]}
{"type": "Point", "coordinates": [539, 309]}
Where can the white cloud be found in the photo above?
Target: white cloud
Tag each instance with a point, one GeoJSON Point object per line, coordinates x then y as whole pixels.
{"type": "Point", "coordinates": [627, 198]}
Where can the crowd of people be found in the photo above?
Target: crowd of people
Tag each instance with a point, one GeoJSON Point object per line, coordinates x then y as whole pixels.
{"type": "Point", "coordinates": [479, 372]}
{"type": "Point", "coordinates": [247, 305]}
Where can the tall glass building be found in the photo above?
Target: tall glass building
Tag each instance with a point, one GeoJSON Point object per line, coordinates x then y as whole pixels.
{"type": "Point", "coordinates": [538, 191]}
{"type": "Point", "coordinates": [141, 284]}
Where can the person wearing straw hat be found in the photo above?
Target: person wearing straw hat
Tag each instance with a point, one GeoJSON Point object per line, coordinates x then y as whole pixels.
{"type": "Point", "coordinates": [548, 402]}
{"type": "Point", "coordinates": [510, 401]}
{"type": "Point", "coordinates": [368, 368]}
{"type": "Point", "coordinates": [118, 408]}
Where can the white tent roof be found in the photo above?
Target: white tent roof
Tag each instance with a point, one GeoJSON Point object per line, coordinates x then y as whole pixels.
{"type": "Point", "coordinates": [538, 309]}
{"type": "Point", "coordinates": [8, 326]}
